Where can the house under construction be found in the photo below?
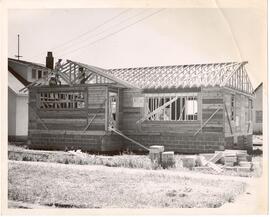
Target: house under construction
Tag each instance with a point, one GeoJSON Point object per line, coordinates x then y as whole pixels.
{"type": "Point", "coordinates": [186, 108]}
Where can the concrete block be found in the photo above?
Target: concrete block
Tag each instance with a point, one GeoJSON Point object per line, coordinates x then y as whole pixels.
{"type": "Point", "coordinates": [167, 159]}
{"type": "Point", "coordinates": [156, 148]}
{"type": "Point", "coordinates": [189, 161]}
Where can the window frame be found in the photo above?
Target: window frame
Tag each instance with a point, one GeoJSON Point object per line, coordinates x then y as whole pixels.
{"type": "Point", "coordinates": [39, 73]}
{"type": "Point", "coordinates": [34, 72]}
{"type": "Point", "coordinates": [69, 100]}
{"type": "Point", "coordinates": [177, 113]}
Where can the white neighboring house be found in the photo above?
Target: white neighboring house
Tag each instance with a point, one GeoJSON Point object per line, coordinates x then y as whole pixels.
{"type": "Point", "coordinates": [258, 111]}
{"type": "Point", "coordinates": [17, 110]}
{"type": "Point", "coordinates": [20, 74]}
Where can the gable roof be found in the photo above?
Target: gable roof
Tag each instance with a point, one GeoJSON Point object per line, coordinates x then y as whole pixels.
{"type": "Point", "coordinates": [177, 76]}
{"type": "Point", "coordinates": [229, 75]}
{"type": "Point", "coordinates": [14, 84]}
{"type": "Point", "coordinates": [258, 87]}
{"type": "Point", "coordinates": [18, 76]}
{"type": "Point", "coordinates": [27, 63]}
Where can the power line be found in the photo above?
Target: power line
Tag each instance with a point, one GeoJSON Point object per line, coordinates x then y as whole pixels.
{"type": "Point", "coordinates": [122, 21]}
{"type": "Point", "coordinates": [92, 30]}
{"type": "Point", "coordinates": [89, 31]}
{"type": "Point", "coordinates": [113, 33]}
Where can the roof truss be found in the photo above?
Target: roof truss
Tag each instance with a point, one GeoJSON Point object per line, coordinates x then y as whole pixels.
{"type": "Point", "coordinates": [231, 75]}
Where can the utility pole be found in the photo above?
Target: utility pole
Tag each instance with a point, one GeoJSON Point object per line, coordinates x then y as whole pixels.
{"type": "Point", "coordinates": [18, 55]}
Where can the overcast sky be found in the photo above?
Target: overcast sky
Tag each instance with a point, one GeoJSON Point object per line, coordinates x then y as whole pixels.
{"type": "Point", "coordinates": [114, 38]}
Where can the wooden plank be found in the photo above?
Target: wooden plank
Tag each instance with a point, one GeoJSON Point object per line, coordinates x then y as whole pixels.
{"type": "Point", "coordinates": [95, 115]}
{"type": "Point", "coordinates": [206, 121]}
{"type": "Point", "coordinates": [212, 101]}
{"type": "Point", "coordinates": [128, 138]}
{"type": "Point", "coordinates": [71, 114]}
{"type": "Point", "coordinates": [42, 122]}
{"type": "Point", "coordinates": [228, 118]}
{"type": "Point", "coordinates": [213, 129]}
{"type": "Point", "coordinates": [64, 121]}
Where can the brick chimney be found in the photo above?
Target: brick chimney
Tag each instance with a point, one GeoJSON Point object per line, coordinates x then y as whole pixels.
{"type": "Point", "coordinates": [49, 60]}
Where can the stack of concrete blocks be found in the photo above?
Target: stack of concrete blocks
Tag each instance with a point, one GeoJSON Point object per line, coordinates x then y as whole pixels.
{"type": "Point", "coordinates": [167, 159]}
{"type": "Point", "coordinates": [189, 161]}
{"type": "Point", "coordinates": [161, 158]}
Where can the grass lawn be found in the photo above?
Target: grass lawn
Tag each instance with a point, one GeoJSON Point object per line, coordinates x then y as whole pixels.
{"type": "Point", "coordinates": [123, 160]}
{"type": "Point", "coordinates": [85, 186]}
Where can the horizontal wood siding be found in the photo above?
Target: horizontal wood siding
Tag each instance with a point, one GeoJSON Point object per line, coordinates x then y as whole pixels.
{"type": "Point", "coordinates": [243, 127]}
{"type": "Point", "coordinates": [69, 119]}
{"type": "Point", "coordinates": [212, 99]}
{"type": "Point", "coordinates": [208, 101]}
{"type": "Point", "coordinates": [129, 114]}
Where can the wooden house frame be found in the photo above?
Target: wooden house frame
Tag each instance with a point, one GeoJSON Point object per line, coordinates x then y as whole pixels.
{"type": "Point", "coordinates": [187, 108]}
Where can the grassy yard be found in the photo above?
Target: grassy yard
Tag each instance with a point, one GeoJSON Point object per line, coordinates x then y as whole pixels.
{"type": "Point", "coordinates": [76, 186]}
{"type": "Point", "coordinates": [124, 160]}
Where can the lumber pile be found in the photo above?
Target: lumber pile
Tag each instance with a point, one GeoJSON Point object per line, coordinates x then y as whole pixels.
{"type": "Point", "coordinates": [229, 158]}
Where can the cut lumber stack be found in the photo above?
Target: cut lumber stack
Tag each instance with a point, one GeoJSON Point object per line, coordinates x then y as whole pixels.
{"type": "Point", "coordinates": [167, 159]}
{"type": "Point", "coordinates": [245, 164]}
{"type": "Point", "coordinates": [241, 155]}
{"type": "Point", "coordinates": [230, 158]}
{"type": "Point", "coordinates": [217, 156]}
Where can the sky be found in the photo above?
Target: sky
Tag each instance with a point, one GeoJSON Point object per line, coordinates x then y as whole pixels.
{"type": "Point", "coordinates": [129, 37]}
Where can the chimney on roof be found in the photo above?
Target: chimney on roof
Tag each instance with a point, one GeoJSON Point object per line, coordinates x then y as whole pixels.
{"type": "Point", "coordinates": [49, 60]}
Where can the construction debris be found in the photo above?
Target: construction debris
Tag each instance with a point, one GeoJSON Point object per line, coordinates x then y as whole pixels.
{"type": "Point", "coordinates": [228, 159]}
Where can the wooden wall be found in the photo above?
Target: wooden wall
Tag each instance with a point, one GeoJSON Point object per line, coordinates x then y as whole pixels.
{"type": "Point", "coordinates": [61, 129]}
{"type": "Point", "coordinates": [240, 125]}
{"type": "Point", "coordinates": [208, 102]}
{"type": "Point", "coordinates": [177, 136]}
{"type": "Point", "coordinates": [212, 100]}
{"type": "Point", "coordinates": [69, 119]}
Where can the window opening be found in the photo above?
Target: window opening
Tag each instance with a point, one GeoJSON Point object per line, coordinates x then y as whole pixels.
{"type": "Point", "coordinates": [62, 100]}
{"type": "Point", "coordinates": [184, 108]}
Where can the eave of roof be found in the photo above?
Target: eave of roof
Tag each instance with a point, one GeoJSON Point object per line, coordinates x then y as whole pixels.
{"type": "Point", "coordinates": [27, 63]}
{"type": "Point", "coordinates": [260, 85]}
{"type": "Point", "coordinates": [15, 85]}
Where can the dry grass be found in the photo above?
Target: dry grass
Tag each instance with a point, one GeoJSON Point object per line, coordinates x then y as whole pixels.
{"type": "Point", "coordinates": [60, 185]}
{"type": "Point", "coordinates": [128, 161]}
{"type": "Point", "coordinates": [125, 160]}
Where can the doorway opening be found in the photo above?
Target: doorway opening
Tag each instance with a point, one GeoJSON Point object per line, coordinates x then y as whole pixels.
{"type": "Point", "coordinates": [113, 109]}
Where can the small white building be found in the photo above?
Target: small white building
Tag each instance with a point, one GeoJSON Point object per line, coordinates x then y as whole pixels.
{"type": "Point", "coordinates": [20, 74]}
{"type": "Point", "coordinates": [17, 110]}
{"type": "Point", "coordinates": [258, 110]}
